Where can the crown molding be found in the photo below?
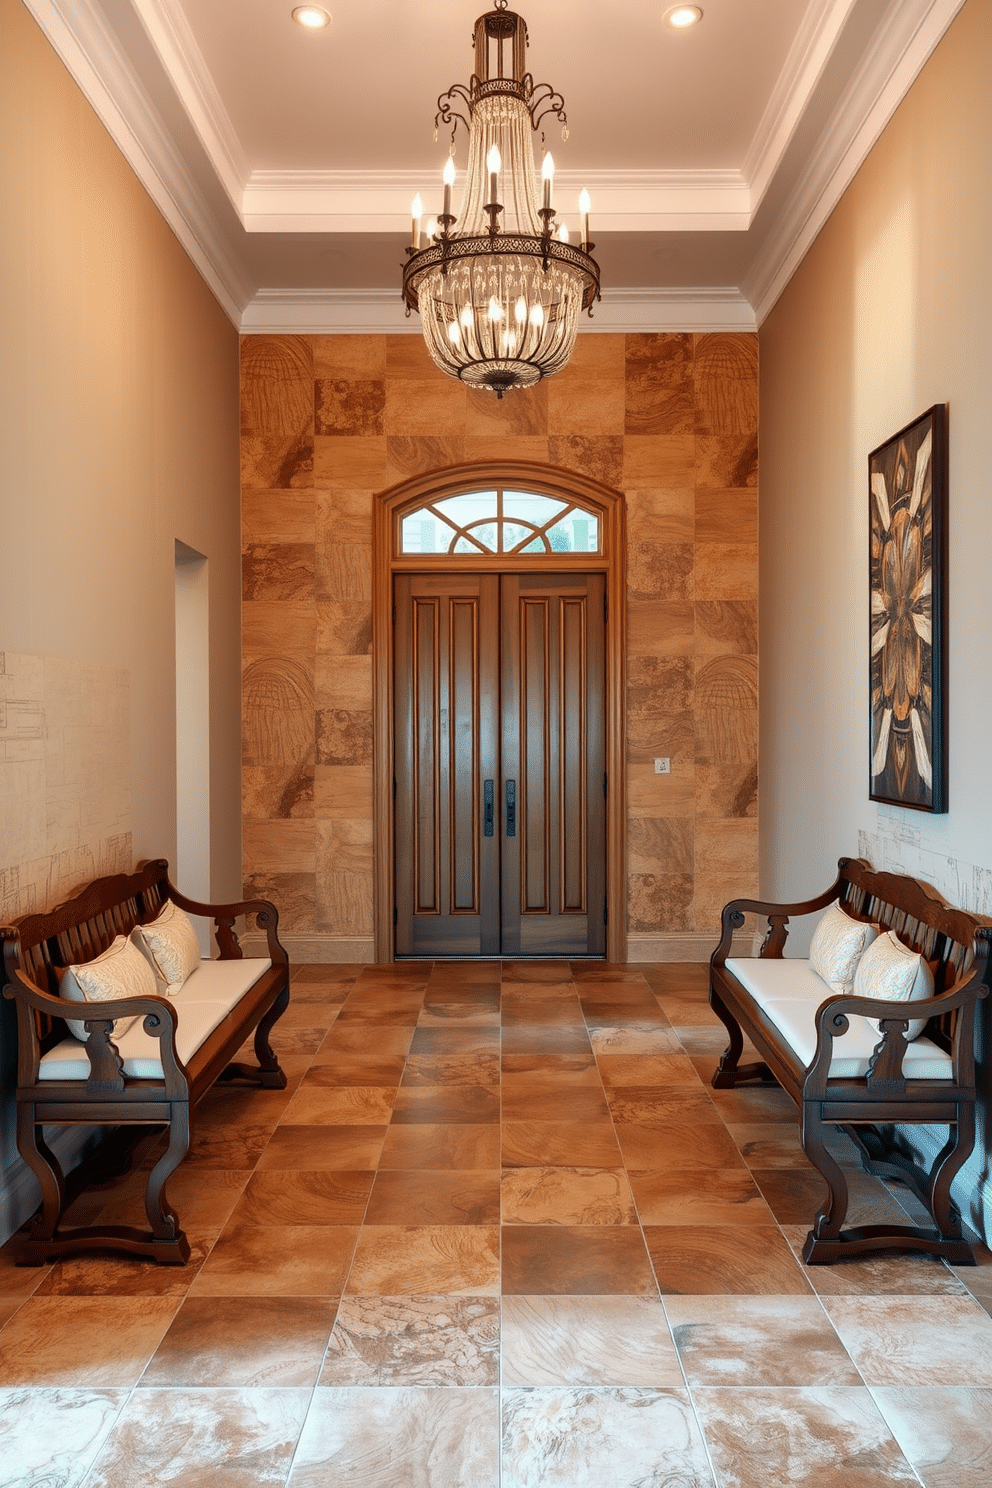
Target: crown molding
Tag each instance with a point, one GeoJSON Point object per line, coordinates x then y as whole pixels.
{"type": "Point", "coordinates": [381, 311]}
{"type": "Point", "coordinates": [172, 37]}
{"type": "Point", "coordinates": [903, 43]}
{"type": "Point", "coordinates": [379, 201]}
{"type": "Point", "coordinates": [81, 37]}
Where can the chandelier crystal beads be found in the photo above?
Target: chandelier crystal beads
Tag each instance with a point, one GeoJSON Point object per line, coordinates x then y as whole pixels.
{"type": "Point", "coordinates": [500, 299]}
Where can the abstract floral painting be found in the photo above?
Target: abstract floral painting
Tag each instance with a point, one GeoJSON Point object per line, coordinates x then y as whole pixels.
{"type": "Point", "coordinates": [907, 522]}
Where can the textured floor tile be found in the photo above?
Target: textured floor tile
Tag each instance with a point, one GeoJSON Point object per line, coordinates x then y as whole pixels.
{"type": "Point", "coordinates": [753, 1102]}
{"type": "Point", "coordinates": [704, 1196]}
{"type": "Point", "coordinates": [659, 1041]}
{"type": "Point", "coordinates": [758, 1341]}
{"type": "Point", "coordinates": [429, 1145]}
{"type": "Point", "coordinates": [455, 1041]}
{"type": "Point", "coordinates": [414, 1341]}
{"type": "Point", "coordinates": [677, 1145]}
{"type": "Point", "coordinates": [96, 1275]}
{"type": "Point", "coordinates": [572, 1196]}
{"type": "Point", "coordinates": [945, 1433]}
{"type": "Point", "coordinates": [346, 1105]}
{"type": "Point", "coordinates": [96, 1341]}
{"type": "Point", "coordinates": [313, 1147]}
{"type": "Point", "coordinates": [794, 1196]}
{"type": "Point", "coordinates": [241, 1438]}
{"type": "Point", "coordinates": [626, 1438]}
{"type": "Point", "coordinates": [241, 1341]}
{"type": "Point", "coordinates": [890, 1273]}
{"type": "Point", "coordinates": [366, 1039]}
{"type": "Point", "coordinates": [454, 1069]}
{"type": "Point", "coordinates": [399, 1260]}
{"type": "Point", "coordinates": [915, 1340]}
{"type": "Point", "coordinates": [322, 1197]}
{"type": "Point", "coordinates": [383, 1438]}
{"type": "Point", "coordinates": [600, 1260]}
{"type": "Point", "coordinates": [687, 1012]}
{"type": "Point", "coordinates": [642, 1071]}
{"type": "Point", "coordinates": [332, 1068]}
{"type": "Point", "coordinates": [583, 1102]}
{"type": "Point", "coordinates": [434, 1196]}
{"type": "Point", "coordinates": [536, 971]}
{"type": "Point", "coordinates": [228, 1146]}
{"type": "Point", "coordinates": [278, 1261]}
{"type": "Point", "coordinates": [811, 1438]}
{"type": "Point", "coordinates": [447, 1104]}
{"type": "Point", "coordinates": [51, 1436]}
{"type": "Point", "coordinates": [549, 1040]}
{"type": "Point", "coordinates": [574, 1341]}
{"type": "Point", "coordinates": [712, 1259]}
{"type": "Point", "coordinates": [769, 1144]}
{"type": "Point", "coordinates": [532, 1144]}
{"type": "Point", "coordinates": [8, 1306]}
{"type": "Point", "coordinates": [549, 1066]}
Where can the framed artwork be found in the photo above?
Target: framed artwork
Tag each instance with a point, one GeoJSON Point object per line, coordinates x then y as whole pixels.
{"type": "Point", "coordinates": [907, 478]}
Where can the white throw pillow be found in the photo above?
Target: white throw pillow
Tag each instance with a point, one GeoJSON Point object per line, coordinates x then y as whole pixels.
{"type": "Point", "coordinates": [891, 971]}
{"type": "Point", "coordinates": [120, 971]}
{"type": "Point", "coordinates": [838, 943]}
{"type": "Point", "coordinates": [172, 947]}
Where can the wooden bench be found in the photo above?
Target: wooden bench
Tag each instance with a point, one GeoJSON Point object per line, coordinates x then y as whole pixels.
{"type": "Point", "coordinates": [872, 1104]}
{"type": "Point", "coordinates": [62, 1081]}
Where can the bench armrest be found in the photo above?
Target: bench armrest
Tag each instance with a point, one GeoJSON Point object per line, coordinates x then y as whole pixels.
{"type": "Point", "coordinates": [777, 915]}
{"type": "Point", "coordinates": [833, 1020]}
{"type": "Point", "coordinates": [224, 916]}
{"type": "Point", "coordinates": [106, 1067]}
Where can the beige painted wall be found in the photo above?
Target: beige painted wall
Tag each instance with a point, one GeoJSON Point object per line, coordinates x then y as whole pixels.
{"type": "Point", "coordinates": [119, 430]}
{"type": "Point", "coordinates": [890, 312]}
{"type": "Point", "coordinates": [671, 420]}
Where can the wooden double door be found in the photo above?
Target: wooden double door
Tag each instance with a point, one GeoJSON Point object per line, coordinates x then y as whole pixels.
{"type": "Point", "coordinates": [500, 776]}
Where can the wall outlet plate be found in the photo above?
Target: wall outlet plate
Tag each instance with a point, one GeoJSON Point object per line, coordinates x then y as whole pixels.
{"type": "Point", "coordinates": [663, 766]}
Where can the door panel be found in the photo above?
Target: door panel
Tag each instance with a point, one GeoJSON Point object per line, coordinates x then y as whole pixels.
{"type": "Point", "coordinates": [499, 679]}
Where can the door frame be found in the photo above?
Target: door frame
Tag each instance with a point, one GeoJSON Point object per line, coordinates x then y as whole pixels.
{"type": "Point", "coordinates": [547, 480]}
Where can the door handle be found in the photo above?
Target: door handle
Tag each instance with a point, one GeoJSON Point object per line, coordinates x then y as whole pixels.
{"type": "Point", "coordinates": [511, 808]}
{"type": "Point", "coordinates": [488, 809]}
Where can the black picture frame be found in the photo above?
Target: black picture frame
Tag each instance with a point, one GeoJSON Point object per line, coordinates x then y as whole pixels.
{"type": "Point", "coordinates": [907, 657]}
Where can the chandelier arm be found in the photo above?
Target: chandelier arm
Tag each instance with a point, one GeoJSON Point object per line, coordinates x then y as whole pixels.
{"type": "Point", "coordinates": [542, 96]}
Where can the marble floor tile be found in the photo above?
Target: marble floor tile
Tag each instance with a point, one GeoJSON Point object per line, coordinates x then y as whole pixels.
{"type": "Point", "coordinates": [278, 1261]}
{"type": "Point", "coordinates": [550, 1260]}
{"type": "Point", "coordinates": [588, 1341]}
{"type": "Point", "coordinates": [702, 1196]}
{"type": "Point", "coordinates": [400, 1260]}
{"type": "Point", "coordinates": [330, 1067]}
{"type": "Point", "coordinates": [890, 1273]}
{"type": "Point", "coordinates": [314, 1147]}
{"type": "Point", "coordinates": [345, 1105]}
{"type": "Point", "coordinates": [632, 1041]}
{"type": "Point", "coordinates": [945, 1433]}
{"type": "Point", "coordinates": [96, 1341]}
{"type": "Point", "coordinates": [447, 1104]}
{"type": "Point", "coordinates": [432, 1145]}
{"type": "Point", "coordinates": [324, 1196]}
{"type": "Point", "coordinates": [707, 1260]}
{"type": "Point", "coordinates": [243, 1341]}
{"type": "Point", "coordinates": [52, 1436]}
{"type": "Point", "coordinates": [915, 1340]}
{"type": "Point", "coordinates": [442, 1340]}
{"type": "Point", "coordinates": [194, 1439]}
{"type": "Point", "coordinates": [624, 1437]}
{"type": "Point", "coordinates": [531, 1144]}
{"type": "Point", "coordinates": [434, 1197]}
{"type": "Point", "coordinates": [386, 1437]}
{"type": "Point", "coordinates": [758, 1341]}
{"type": "Point", "coordinates": [815, 1437]}
{"type": "Point", "coordinates": [572, 1196]}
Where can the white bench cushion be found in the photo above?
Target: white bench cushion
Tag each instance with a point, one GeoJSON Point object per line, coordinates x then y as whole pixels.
{"type": "Point", "coordinates": [790, 993]}
{"type": "Point", "coordinates": [204, 1000]}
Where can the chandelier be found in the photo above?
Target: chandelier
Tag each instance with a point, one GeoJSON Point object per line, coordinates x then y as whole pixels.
{"type": "Point", "coordinates": [500, 299]}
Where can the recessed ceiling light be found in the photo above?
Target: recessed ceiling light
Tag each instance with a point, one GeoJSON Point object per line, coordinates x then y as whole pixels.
{"type": "Point", "coordinates": [683, 15]}
{"type": "Point", "coordinates": [311, 16]}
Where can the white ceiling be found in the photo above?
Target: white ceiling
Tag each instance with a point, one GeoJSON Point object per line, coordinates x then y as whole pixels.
{"type": "Point", "coordinates": [286, 159]}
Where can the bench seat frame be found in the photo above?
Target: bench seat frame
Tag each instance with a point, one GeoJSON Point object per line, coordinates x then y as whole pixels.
{"type": "Point", "coordinates": [870, 1108]}
{"type": "Point", "coordinates": [35, 949]}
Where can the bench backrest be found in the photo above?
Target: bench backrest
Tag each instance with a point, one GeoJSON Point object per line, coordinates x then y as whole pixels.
{"type": "Point", "coordinates": [42, 945]}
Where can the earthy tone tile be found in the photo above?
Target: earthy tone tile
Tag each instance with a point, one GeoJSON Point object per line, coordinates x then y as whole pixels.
{"type": "Point", "coordinates": [587, 1144]}
{"type": "Point", "coordinates": [428, 1145]}
{"type": "Point", "coordinates": [360, 1434]}
{"type": "Point", "coordinates": [347, 1105]}
{"type": "Point", "coordinates": [347, 406]}
{"type": "Point", "coordinates": [95, 1341]}
{"type": "Point", "coordinates": [944, 1433]}
{"type": "Point", "coordinates": [572, 1259]}
{"type": "Point", "coordinates": [224, 1341]}
{"type": "Point", "coordinates": [393, 1341]}
{"type": "Point", "coordinates": [625, 1437]}
{"type": "Point", "coordinates": [51, 1436]}
{"type": "Point", "coordinates": [392, 1260]}
{"type": "Point", "coordinates": [715, 1259]}
{"type": "Point", "coordinates": [915, 1340]}
{"type": "Point", "coordinates": [434, 1196]}
{"type": "Point", "coordinates": [702, 1196]}
{"type": "Point", "coordinates": [573, 1341]}
{"type": "Point", "coordinates": [758, 1341]}
{"type": "Point", "coordinates": [725, 377]}
{"type": "Point", "coordinates": [456, 1104]}
{"type": "Point", "coordinates": [600, 456]}
{"type": "Point", "coordinates": [570, 1196]}
{"type": "Point", "coordinates": [322, 1196]}
{"type": "Point", "coordinates": [809, 1437]}
{"type": "Point", "coordinates": [278, 1261]}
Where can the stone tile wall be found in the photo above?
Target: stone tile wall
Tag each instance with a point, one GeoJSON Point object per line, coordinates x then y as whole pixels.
{"type": "Point", "coordinates": [670, 419]}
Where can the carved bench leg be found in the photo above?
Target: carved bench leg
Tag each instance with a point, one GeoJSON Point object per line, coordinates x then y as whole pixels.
{"type": "Point", "coordinates": [162, 1217]}
{"type": "Point", "coordinates": [823, 1243]}
{"type": "Point", "coordinates": [45, 1166]}
{"type": "Point", "coordinates": [947, 1164]}
{"type": "Point", "coordinates": [268, 1072]}
{"type": "Point", "coordinates": [730, 1072]}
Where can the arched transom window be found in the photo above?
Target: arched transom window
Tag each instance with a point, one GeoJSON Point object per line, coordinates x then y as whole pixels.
{"type": "Point", "coordinates": [500, 520]}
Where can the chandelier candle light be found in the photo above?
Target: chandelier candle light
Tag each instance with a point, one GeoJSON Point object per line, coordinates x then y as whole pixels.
{"type": "Point", "coordinates": [500, 299]}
